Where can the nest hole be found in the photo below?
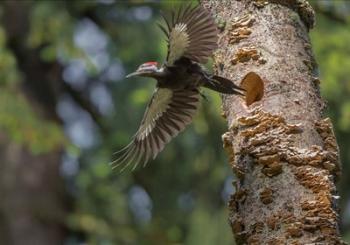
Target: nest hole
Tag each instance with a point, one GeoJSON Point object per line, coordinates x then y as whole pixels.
{"type": "Point", "coordinates": [254, 88]}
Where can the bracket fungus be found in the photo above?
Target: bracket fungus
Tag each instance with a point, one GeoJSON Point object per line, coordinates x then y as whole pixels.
{"type": "Point", "coordinates": [266, 195]}
{"type": "Point", "coordinates": [246, 54]}
{"type": "Point", "coordinates": [260, 3]}
{"type": "Point", "coordinates": [244, 21]}
{"type": "Point", "coordinates": [267, 140]}
{"type": "Point", "coordinates": [240, 28]}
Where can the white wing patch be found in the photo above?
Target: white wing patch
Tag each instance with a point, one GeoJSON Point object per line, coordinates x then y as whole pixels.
{"type": "Point", "coordinates": [191, 33]}
{"type": "Point", "coordinates": [178, 42]}
{"type": "Point", "coordinates": [159, 104]}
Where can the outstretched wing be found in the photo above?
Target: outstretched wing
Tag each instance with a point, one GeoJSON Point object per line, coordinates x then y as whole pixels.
{"type": "Point", "coordinates": [168, 113]}
{"type": "Point", "coordinates": [191, 33]}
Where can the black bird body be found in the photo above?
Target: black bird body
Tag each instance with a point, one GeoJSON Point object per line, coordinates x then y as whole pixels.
{"type": "Point", "coordinates": [182, 74]}
{"type": "Point", "coordinates": [192, 38]}
{"type": "Point", "coordinates": [188, 74]}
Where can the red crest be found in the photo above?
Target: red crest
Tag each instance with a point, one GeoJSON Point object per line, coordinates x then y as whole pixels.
{"type": "Point", "coordinates": [151, 63]}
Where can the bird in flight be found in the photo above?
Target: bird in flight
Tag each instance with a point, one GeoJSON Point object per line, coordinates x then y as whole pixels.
{"type": "Point", "coordinates": [191, 36]}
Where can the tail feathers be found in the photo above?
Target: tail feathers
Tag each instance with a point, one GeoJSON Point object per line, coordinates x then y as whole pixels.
{"type": "Point", "coordinates": [223, 85]}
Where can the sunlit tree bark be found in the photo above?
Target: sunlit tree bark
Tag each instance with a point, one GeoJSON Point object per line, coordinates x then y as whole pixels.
{"type": "Point", "coordinates": [281, 149]}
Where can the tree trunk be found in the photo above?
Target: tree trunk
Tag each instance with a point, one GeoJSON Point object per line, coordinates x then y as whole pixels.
{"type": "Point", "coordinates": [283, 153]}
{"type": "Point", "coordinates": [33, 199]}
{"type": "Point", "coordinates": [32, 196]}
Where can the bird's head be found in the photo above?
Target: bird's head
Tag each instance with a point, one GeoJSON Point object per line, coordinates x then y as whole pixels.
{"type": "Point", "coordinates": [147, 69]}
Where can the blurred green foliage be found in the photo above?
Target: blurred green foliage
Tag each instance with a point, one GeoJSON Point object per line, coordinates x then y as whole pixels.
{"type": "Point", "coordinates": [7, 63]}
{"type": "Point", "coordinates": [21, 123]}
{"type": "Point", "coordinates": [180, 198]}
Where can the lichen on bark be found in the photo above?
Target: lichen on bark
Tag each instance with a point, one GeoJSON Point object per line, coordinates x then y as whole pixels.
{"type": "Point", "coordinates": [282, 151]}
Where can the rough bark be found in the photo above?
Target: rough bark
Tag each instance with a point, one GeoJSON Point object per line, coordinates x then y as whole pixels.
{"type": "Point", "coordinates": [282, 151]}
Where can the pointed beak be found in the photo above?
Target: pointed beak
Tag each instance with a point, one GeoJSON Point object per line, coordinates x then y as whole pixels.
{"type": "Point", "coordinates": [132, 74]}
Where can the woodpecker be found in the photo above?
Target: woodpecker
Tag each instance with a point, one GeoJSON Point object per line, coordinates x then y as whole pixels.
{"type": "Point", "coordinates": [191, 35]}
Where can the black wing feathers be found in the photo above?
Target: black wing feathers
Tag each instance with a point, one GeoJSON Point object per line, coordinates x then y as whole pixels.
{"type": "Point", "coordinates": [168, 113]}
{"type": "Point", "coordinates": [191, 33]}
